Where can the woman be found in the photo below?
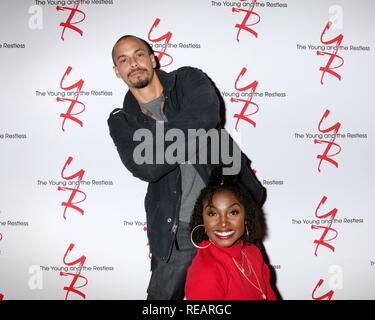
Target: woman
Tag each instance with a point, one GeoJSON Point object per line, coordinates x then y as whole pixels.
{"type": "Point", "coordinates": [228, 266]}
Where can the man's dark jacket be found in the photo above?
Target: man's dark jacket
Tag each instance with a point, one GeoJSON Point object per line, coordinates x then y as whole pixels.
{"type": "Point", "coordinates": [191, 102]}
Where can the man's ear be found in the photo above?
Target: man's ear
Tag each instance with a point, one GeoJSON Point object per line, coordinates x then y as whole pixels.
{"type": "Point", "coordinates": [153, 61]}
{"type": "Point", "coordinates": [115, 69]}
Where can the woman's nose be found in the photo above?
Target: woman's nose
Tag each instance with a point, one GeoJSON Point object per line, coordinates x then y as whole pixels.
{"type": "Point", "coordinates": [223, 220]}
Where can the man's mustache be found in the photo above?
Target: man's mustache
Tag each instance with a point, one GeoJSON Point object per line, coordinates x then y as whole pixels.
{"type": "Point", "coordinates": [136, 70]}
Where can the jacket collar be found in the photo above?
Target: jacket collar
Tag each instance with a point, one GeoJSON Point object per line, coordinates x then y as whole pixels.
{"type": "Point", "coordinates": [167, 80]}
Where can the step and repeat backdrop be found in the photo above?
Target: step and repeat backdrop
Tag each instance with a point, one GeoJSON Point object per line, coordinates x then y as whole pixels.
{"type": "Point", "coordinates": [296, 78]}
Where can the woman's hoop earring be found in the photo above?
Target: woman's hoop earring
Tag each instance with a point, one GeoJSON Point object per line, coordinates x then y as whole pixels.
{"type": "Point", "coordinates": [191, 238]}
{"type": "Point", "coordinates": [246, 236]}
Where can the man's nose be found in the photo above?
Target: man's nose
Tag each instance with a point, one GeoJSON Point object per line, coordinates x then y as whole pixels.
{"type": "Point", "coordinates": [133, 62]}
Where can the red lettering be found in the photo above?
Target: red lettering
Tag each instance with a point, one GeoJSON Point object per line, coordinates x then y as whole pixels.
{"type": "Point", "coordinates": [323, 241]}
{"type": "Point", "coordinates": [69, 115]}
{"type": "Point", "coordinates": [70, 204]}
{"type": "Point", "coordinates": [330, 143]}
{"type": "Point", "coordinates": [330, 132]}
{"type": "Point", "coordinates": [331, 214]}
{"type": "Point", "coordinates": [332, 56]}
{"type": "Point", "coordinates": [335, 128]}
{"type": "Point", "coordinates": [325, 156]}
{"type": "Point", "coordinates": [326, 229]}
{"type": "Point", "coordinates": [167, 37]}
{"type": "Point", "coordinates": [1, 295]}
{"type": "Point", "coordinates": [148, 244]}
{"type": "Point", "coordinates": [247, 103]}
{"type": "Point", "coordinates": [69, 24]}
{"type": "Point", "coordinates": [327, 296]}
{"type": "Point", "coordinates": [244, 25]}
{"type": "Point", "coordinates": [72, 288]}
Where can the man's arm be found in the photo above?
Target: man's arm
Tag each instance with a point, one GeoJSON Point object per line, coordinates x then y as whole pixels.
{"type": "Point", "coordinates": [251, 182]}
{"type": "Point", "coordinates": [199, 110]}
{"type": "Point", "coordinates": [201, 107]}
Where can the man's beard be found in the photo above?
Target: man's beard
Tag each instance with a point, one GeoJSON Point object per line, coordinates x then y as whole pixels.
{"type": "Point", "coordinates": [141, 83]}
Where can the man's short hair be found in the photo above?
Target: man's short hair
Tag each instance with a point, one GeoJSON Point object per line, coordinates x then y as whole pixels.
{"type": "Point", "coordinates": [146, 44]}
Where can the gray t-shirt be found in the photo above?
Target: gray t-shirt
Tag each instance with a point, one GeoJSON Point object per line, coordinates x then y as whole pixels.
{"type": "Point", "coordinates": [191, 182]}
{"type": "Point", "coordinates": [192, 185]}
{"type": "Point", "coordinates": [154, 108]}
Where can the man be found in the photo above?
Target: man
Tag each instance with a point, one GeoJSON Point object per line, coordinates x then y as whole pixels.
{"type": "Point", "coordinates": [184, 99]}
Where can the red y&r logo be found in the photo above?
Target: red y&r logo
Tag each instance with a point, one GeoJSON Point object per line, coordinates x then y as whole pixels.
{"type": "Point", "coordinates": [80, 262]}
{"type": "Point", "coordinates": [327, 296]}
{"type": "Point", "coordinates": [148, 244]}
{"type": "Point", "coordinates": [69, 115]}
{"type": "Point", "coordinates": [333, 130]}
{"type": "Point", "coordinates": [69, 24]}
{"type": "Point", "coordinates": [167, 37]}
{"type": "Point", "coordinates": [70, 204]}
{"type": "Point", "coordinates": [244, 25]}
{"type": "Point", "coordinates": [326, 229]}
{"type": "Point", "coordinates": [337, 41]}
{"type": "Point", "coordinates": [247, 103]}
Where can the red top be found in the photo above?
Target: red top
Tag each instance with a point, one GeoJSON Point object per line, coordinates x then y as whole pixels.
{"type": "Point", "coordinates": [214, 276]}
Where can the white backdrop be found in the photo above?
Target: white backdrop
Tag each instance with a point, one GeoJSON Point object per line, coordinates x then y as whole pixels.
{"type": "Point", "coordinates": [277, 43]}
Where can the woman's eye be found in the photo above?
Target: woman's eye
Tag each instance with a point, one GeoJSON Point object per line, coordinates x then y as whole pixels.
{"type": "Point", "coordinates": [234, 212]}
{"type": "Point", "coordinates": [211, 213]}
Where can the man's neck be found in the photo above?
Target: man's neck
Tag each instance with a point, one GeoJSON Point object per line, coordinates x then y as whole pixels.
{"type": "Point", "coordinates": [152, 91]}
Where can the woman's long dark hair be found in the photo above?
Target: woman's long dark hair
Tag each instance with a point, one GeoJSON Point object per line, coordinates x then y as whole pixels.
{"type": "Point", "coordinates": [220, 182]}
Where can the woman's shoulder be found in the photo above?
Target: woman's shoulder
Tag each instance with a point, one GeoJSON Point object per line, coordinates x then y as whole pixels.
{"type": "Point", "coordinates": [253, 250]}
{"type": "Point", "coordinates": [206, 277]}
{"type": "Point", "coordinates": [205, 270]}
{"type": "Point", "coordinates": [206, 261]}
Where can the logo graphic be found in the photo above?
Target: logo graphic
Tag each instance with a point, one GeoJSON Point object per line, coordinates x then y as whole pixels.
{"type": "Point", "coordinates": [332, 56]}
{"type": "Point", "coordinates": [69, 24]}
{"type": "Point", "coordinates": [333, 130]}
{"type": "Point", "coordinates": [330, 216]}
{"type": "Point", "coordinates": [244, 24]}
{"type": "Point", "coordinates": [328, 233]}
{"type": "Point", "coordinates": [69, 115]}
{"type": "Point", "coordinates": [327, 296]}
{"type": "Point", "coordinates": [72, 288]}
{"type": "Point", "coordinates": [252, 87]}
{"type": "Point", "coordinates": [70, 204]}
{"type": "Point", "coordinates": [167, 38]}
{"type": "Point", "coordinates": [148, 244]}
{"type": "Point", "coordinates": [1, 295]}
